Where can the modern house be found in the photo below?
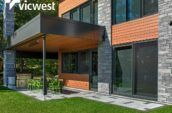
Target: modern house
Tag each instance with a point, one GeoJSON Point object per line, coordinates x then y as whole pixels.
{"type": "Point", "coordinates": [121, 47]}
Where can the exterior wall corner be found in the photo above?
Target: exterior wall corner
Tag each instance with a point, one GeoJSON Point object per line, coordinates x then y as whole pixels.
{"type": "Point", "coordinates": [105, 49]}
{"type": "Point", "coordinates": [165, 52]}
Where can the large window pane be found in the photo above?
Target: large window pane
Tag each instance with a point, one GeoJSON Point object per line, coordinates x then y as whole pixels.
{"type": "Point", "coordinates": [75, 15]}
{"type": "Point", "coordinates": [86, 13]}
{"type": "Point", "coordinates": [70, 63]}
{"type": "Point", "coordinates": [66, 15]}
{"type": "Point", "coordinates": [84, 62]}
{"type": "Point", "coordinates": [95, 10]}
{"type": "Point", "coordinates": [133, 9]}
{"type": "Point", "coordinates": [119, 11]}
{"type": "Point", "coordinates": [146, 69]}
{"type": "Point", "coordinates": [150, 7]}
{"type": "Point", "coordinates": [123, 70]}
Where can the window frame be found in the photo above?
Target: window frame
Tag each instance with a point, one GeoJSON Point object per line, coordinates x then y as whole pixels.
{"type": "Point", "coordinates": [91, 3]}
{"type": "Point", "coordinates": [77, 63]}
{"type": "Point", "coordinates": [142, 15]}
{"type": "Point", "coordinates": [133, 45]}
{"type": "Point", "coordinates": [62, 64]}
{"type": "Point", "coordinates": [65, 14]}
{"type": "Point", "coordinates": [81, 9]}
{"type": "Point", "coordinates": [143, 11]}
{"type": "Point", "coordinates": [72, 11]}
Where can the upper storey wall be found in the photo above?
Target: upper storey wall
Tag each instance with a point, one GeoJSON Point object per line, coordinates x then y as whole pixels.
{"type": "Point", "coordinates": [66, 5]}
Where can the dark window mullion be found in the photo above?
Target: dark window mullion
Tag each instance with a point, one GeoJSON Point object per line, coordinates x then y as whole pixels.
{"type": "Point", "coordinates": [91, 11]}
{"type": "Point", "coordinates": [127, 10]}
{"type": "Point", "coordinates": [142, 8]}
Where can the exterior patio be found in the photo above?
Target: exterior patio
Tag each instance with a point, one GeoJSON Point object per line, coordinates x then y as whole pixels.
{"type": "Point", "coordinates": [55, 37]}
{"type": "Point", "coordinates": [143, 105]}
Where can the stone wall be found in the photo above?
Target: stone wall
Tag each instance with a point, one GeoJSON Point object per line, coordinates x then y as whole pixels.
{"type": "Point", "coordinates": [165, 52]}
{"type": "Point", "coordinates": [104, 48]}
{"type": "Point", "coordinates": [9, 74]}
{"type": "Point", "coordinates": [8, 21]}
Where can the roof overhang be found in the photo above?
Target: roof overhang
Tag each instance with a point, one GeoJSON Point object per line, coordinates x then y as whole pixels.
{"type": "Point", "coordinates": [60, 33]}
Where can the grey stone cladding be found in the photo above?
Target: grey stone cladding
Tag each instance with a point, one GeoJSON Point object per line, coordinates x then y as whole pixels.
{"type": "Point", "coordinates": [8, 21]}
{"type": "Point", "coordinates": [165, 52]}
{"type": "Point", "coordinates": [104, 48]}
{"type": "Point", "coordinates": [9, 55]}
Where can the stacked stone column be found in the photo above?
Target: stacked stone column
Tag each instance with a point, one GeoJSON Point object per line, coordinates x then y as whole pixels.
{"type": "Point", "coordinates": [165, 52]}
{"type": "Point", "coordinates": [104, 48]}
{"type": "Point", "coordinates": [9, 74]}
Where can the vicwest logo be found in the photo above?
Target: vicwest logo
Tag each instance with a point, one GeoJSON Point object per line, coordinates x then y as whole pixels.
{"type": "Point", "coordinates": [30, 6]}
{"type": "Point", "coordinates": [11, 3]}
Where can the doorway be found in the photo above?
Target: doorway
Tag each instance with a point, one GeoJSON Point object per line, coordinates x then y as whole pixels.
{"type": "Point", "coordinates": [135, 70]}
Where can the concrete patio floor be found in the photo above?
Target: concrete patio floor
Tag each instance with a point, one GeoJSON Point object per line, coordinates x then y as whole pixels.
{"type": "Point", "coordinates": [138, 104]}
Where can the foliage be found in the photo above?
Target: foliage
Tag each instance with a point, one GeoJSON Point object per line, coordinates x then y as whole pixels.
{"type": "Point", "coordinates": [34, 66]}
{"type": "Point", "coordinates": [22, 17]}
{"type": "Point", "coordinates": [54, 85]}
{"type": "Point", "coordinates": [34, 84]}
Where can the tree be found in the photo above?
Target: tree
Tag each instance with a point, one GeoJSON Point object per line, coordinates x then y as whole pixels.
{"type": "Point", "coordinates": [22, 17]}
{"type": "Point", "coordinates": [34, 65]}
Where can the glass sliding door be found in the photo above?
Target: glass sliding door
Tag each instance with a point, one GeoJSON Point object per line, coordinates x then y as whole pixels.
{"type": "Point", "coordinates": [123, 70]}
{"type": "Point", "coordinates": [146, 63]}
{"type": "Point", "coordinates": [135, 70]}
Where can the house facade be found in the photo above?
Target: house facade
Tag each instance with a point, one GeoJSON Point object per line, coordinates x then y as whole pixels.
{"type": "Point", "coordinates": [121, 47]}
{"type": "Point", "coordinates": [127, 60]}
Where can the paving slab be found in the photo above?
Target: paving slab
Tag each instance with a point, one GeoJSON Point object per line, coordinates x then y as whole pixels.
{"type": "Point", "coordinates": [128, 102]}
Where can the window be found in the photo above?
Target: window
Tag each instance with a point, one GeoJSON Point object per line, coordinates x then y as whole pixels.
{"type": "Point", "coordinates": [75, 14]}
{"type": "Point", "coordinates": [95, 11]}
{"type": "Point", "coordinates": [125, 10]}
{"type": "Point", "coordinates": [120, 11]}
{"type": "Point", "coordinates": [86, 13]}
{"type": "Point", "coordinates": [70, 63]}
{"type": "Point", "coordinates": [76, 62]}
{"type": "Point", "coordinates": [134, 10]}
{"type": "Point", "coordinates": [150, 6]}
{"type": "Point", "coordinates": [66, 15]}
{"type": "Point", "coordinates": [83, 62]}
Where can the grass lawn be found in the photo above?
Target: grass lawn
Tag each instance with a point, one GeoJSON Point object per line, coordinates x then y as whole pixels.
{"type": "Point", "coordinates": [13, 102]}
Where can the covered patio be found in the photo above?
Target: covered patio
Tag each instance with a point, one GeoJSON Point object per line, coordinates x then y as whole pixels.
{"type": "Point", "coordinates": [46, 36]}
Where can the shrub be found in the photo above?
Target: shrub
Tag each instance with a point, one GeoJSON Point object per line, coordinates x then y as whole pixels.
{"type": "Point", "coordinates": [34, 84]}
{"type": "Point", "coordinates": [54, 85]}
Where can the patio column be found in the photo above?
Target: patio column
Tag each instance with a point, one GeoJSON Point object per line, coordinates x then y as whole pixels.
{"type": "Point", "coordinates": [59, 62]}
{"type": "Point", "coordinates": [44, 66]}
{"type": "Point", "coordinates": [9, 74]}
